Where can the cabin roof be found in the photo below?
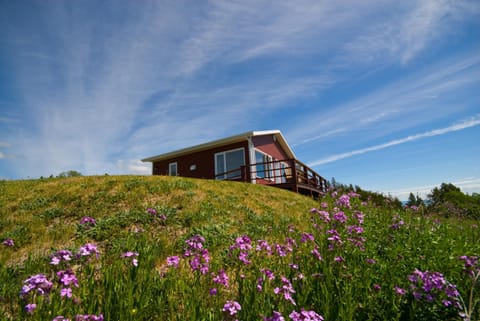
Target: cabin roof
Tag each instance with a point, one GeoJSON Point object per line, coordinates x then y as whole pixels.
{"type": "Point", "coordinates": [225, 141]}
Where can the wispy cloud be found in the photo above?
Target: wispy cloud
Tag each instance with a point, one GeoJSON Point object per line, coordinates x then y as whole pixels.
{"type": "Point", "coordinates": [467, 185]}
{"type": "Point", "coordinates": [416, 99]}
{"type": "Point", "coordinates": [158, 76]}
{"type": "Point", "coordinates": [474, 121]}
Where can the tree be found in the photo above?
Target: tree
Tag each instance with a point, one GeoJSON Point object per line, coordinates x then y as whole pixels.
{"type": "Point", "coordinates": [415, 200]}
{"type": "Point", "coordinates": [70, 173]}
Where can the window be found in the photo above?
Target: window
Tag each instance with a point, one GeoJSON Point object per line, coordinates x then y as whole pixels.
{"type": "Point", "coordinates": [228, 164]}
{"type": "Point", "coordinates": [172, 169]}
{"type": "Point", "coordinates": [264, 165]}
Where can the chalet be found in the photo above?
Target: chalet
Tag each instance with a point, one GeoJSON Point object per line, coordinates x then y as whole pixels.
{"type": "Point", "coordinates": [258, 157]}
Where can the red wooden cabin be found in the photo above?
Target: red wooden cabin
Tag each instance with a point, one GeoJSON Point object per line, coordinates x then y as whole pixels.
{"type": "Point", "coordinates": [258, 157]}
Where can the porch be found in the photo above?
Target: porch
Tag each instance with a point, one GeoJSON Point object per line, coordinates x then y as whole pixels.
{"type": "Point", "coordinates": [289, 174]}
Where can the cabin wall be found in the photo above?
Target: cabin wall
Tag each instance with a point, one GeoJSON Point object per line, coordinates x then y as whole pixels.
{"type": "Point", "coordinates": [204, 161]}
{"type": "Point", "coordinates": [270, 146]}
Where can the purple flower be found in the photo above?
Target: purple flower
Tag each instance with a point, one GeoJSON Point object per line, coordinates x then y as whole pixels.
{"type": "Point", "coordinates": [305, 316]}
{"type": "Point", "coordinates": [370, 261]}
{"type": "Point", "coordinates": [268, 273]}
{"type": "Point", "coordinates": [340, 217]}
{"type": "Point", "coordinates": [263, 245]}
{"type": "Point", "coordinates": [30, 307]}
{"type": "Point", "coordinates": [67, 278]}
{"type": "Point", "coordinates": [87, 220]}
{"type": "Point", "coordinates": [377, 287]}
{"type": "Point", "coordinates": [66, 292]}
{"type": "Point", "coordinates": [307, 237]}
{"type": "Point", "coordinates": [152, 211]}
{"type": "Point", "coordinates": [221, 278]}
{"type": "Point", "coordinates": [316, 253]}
{"type": "Point", "coordinates": [88, 249]}
{"type": "Point", "coordinates": [173, 261]}
{"type": "Point", "coordinates": [88, 317]}
{"type": "Point", "coordinates": [339, 259]}
{"type": "Point", "coordinates": [277, 316]}
{"type": "Point", "coordinates": [232, 307]}
{"type": "Point", "coordinates": [132, 255]}
{"type": "Point", "coordinates": [213, 291]}
{"type": "Point", "coordinates": [8, 243]}
{"type": "Point", "coordinates": [195, 242]}
{"type": "Point", "coordinates": [400, 291]}
{"type": "Point", "coordinates": [343, 201]}
{"type": "Point", "coordinates": [243, 256]}
{"type": "Point", "coordinates": [38, 283]}
{"type": "Point", "coordinates": [286, 290]}
{"type": "Point", "coordinates": [60, 318]}
{"type": "Point", "coordinates": [59, 256]}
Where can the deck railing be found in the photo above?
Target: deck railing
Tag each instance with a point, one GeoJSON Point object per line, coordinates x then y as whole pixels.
{"type": "Point", "coordinates": [289, 174]}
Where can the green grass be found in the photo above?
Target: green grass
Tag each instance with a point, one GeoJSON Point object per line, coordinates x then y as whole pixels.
{"type": "Point", "coordinates": [355, 279]}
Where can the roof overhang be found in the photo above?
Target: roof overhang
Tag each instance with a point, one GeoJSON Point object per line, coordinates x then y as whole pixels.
{"type": "Point", "coordinates": [222, 142]}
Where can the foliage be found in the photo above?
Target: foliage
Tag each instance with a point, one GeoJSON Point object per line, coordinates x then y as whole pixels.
{"type": "Point", "coordinates": [449, 200]}
{"type": "Point", "coordinates": [180, 249]}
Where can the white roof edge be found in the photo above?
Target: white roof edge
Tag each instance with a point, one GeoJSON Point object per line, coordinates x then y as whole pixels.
{"type": "Point", "coordinates": [222, 141]}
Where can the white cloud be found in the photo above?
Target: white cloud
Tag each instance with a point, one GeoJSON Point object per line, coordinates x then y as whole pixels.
{"type": "Point", "coordinates": [134, 167]}
{"type": "Point", "coordinates": [474, 121]}
{"type": "Point", "coordinates": [467, 185]}
{"type": "Point", "coordinates": [157, 76]}
{"type": "Point", "coordinates": [419, 98]}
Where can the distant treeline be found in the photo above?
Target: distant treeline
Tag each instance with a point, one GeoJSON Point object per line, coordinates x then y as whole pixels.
{"type": "Point", "coordinates": [446, 200]}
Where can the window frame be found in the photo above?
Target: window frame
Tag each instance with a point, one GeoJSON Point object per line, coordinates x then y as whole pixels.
{"type": "Point", "coordinates": [219, 176]}
{"type": "Point", "coordinates": [170, 165]}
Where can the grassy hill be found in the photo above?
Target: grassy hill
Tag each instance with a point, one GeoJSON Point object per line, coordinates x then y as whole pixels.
{"type": "Point", "coordinates": [169, 248]}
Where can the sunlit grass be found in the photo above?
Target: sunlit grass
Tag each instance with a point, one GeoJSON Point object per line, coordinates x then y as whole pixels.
{"type": "Point", "coordinates": [345, 260]}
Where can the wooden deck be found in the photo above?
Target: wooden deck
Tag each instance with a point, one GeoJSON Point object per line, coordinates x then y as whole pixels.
{"type": "Point", "coordinates": [289, 174]}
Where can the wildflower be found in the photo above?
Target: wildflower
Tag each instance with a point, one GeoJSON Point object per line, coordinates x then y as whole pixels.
{"type": "Point", "coordinates": [397, 223]}
{"type": "Point", "coordinates": [286, 289]}
{"type": "Point", "coordinates": [400, 291]}
{"type": "Point", "coordinates": [213, 291]}
{"type": "Point", "coordinates": [173, 261]}
{"type": "Point", "coordinates": [66, 292]}
{"type": "Point", "coordinates": [30, 307]}
{"type": "Point", "coordinates": [263, 245]}
{"type": "Point", "coordinates": [260, 284]}
{"type": "Point", "coordinates": [38, 282]}
{"type": "Point", "coordinates": [133, 255]}
{"type": "Point", "coordinates": [88, 249]}
{"type": "Point", "coordinates": [232, 307]}
{"type": "Point", "coordinates": [316, 253]}
{"type": "Point", "coordinates": [60, 318]}
{"type": "Point", "coordinates": [307, 237]}
{"type": "Point", "coordinates": [244, 243]}
{"type": "Point", "coordinates": [340, 217]}
{"type": "Point", "coordinates": [243, 256]}
{"type": "Point", "coordinates": [67, 278]}
{"type": "Point", "coordinates": [59, 256]}
{"type": "Point", "coordinates": [88, 221]}
{"type": "Point", "coordinates": [88, 317]}
{"type": "Point", "coordinates": [277, 316]}
{"type": "Point", "coordinates": [377, 287]}
{"type": "Point", "coordinates": [281, 250]}
{"type": "Point", "coordinates": [221, 278]}
{"type": "Point", "coordinates": [339, 259]}
{"type": "Point", "coordinates": [195, 242]}
{"type": "Point", "coordinates": [370, 261]}
{"type": "Point", "coordinates": [152, 211]}
{"type": "Point", "coordinates": [8, 243]}
{"type": "Point", "coordinates": [343, 201]}
{"type": "Point", "coordinates": [305, 316]}
{"type": "Point", "coordinates": [268, 273]}
{"type": "Point", "coordinates": [359, 216]}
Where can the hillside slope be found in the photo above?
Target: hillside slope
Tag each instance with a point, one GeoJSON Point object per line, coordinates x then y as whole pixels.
{"type": "Point", "coordinates": [44, 214]}
{"type": "Point", "coordinates": [167, 248]}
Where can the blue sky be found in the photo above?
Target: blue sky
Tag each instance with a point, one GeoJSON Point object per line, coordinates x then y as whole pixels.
{"type": "Point", "coordinates": [381, 94]}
